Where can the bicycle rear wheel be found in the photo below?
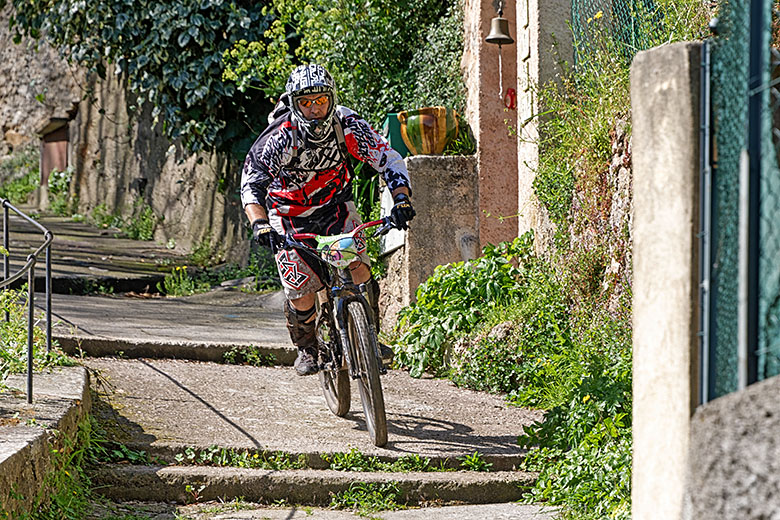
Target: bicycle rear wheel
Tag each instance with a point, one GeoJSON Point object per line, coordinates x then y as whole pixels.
{"type": "Point", "coordinates": [363, 339]}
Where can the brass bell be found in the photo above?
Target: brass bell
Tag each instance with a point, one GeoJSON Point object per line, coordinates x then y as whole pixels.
{"type": "Point", "coordinates": [499, 31]}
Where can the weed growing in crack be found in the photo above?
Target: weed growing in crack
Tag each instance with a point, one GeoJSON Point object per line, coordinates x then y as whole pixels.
{"type": "Point", "coordinates": [354, 460]}
{"type": "Point", "coordinates": [229, 457]}
{"type": "Point", "coordinates": [251, 355]}
{"type": "Point", "coordinates": [365, 498]}
{"type": "Point", "coordinates": [474, 462]}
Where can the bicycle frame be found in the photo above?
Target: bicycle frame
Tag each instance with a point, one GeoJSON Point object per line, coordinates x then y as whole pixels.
{"type": "Point", "coordinates": [339, 288]}
{"type": "Point", "coordinates": [347, 342]}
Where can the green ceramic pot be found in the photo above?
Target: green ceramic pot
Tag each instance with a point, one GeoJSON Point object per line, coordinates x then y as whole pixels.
{"type": "Point", "coordinates": [428, 130]}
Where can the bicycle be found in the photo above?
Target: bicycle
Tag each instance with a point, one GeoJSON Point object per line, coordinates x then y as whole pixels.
{"type": "Point", "coordinates": [348, 345]}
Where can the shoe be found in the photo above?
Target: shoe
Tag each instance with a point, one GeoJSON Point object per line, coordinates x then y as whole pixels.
{"type": "Point", "coordinates": [386, 353]}
{"type": "Point", "coordinates": [306, 362]}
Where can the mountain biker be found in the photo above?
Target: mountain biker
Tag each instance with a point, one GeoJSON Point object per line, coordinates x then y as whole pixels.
{"type": "Point", "coordinates": [297, 179]}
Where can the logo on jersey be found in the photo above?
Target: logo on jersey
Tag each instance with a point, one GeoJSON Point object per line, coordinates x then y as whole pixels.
{"type": "Point", "coordinates": [291, 271]}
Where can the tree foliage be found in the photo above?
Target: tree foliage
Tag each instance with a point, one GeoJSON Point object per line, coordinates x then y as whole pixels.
{"type": "Point", "coordinates": [169, 53]}
{"type": "Point", "coordinates": [385, 55]}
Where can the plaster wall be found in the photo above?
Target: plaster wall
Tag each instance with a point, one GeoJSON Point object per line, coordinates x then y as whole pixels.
{"type": "Point", "coordinates": [27, 70]}
{"type": "Point", "coordinates": [544, 43]}
{"type": "Point", "coordinates": [665, 109]}
{"type": "Point", "coordinates": [489, 120]}
{"type": "Point", "coordinates": [444, 230]}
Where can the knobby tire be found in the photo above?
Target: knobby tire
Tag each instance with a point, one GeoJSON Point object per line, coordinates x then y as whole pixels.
{"type": "Point", "coordinates": [364, 341]}
{"type": "Point", "coordinates": [334, 382]}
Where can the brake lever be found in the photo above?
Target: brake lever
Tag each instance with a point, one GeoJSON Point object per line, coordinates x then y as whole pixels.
{"type": "Point", "coordinates": [386, 227]}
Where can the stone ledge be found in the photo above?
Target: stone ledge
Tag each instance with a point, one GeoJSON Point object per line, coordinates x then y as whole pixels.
{"type": "Point", "coordinates": [61, 399]}
{"type": "Point", "coordinates": [312, 487]}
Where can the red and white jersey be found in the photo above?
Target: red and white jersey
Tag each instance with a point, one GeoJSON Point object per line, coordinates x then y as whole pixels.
{"type": "Point", "coordinates": [305, 192]}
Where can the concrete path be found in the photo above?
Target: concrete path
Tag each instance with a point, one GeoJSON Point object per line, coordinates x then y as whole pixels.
{"type": "Point", "coordinates": [202, 326]}
{"type": "Point", "coordinates": [165, 390]}
{"type": "Point", "coordinates": [85, 257]}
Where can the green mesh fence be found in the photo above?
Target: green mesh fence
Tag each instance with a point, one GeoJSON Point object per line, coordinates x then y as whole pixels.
{"type": "Point", "coordinates": [769, 261]}
{"type": "Point", "coordinates": [730, 60]}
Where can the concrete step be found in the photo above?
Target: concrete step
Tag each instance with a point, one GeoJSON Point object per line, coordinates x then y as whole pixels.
{"type": "Point", "coordinates": [200, 327]}
{"type": "Point", "coordinates": [306, 487]}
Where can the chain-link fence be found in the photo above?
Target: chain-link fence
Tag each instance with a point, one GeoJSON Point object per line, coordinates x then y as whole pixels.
{"type": "Point", "coordinates": [730, 114]}
{"type": "Point", "coordinates": [627, 26]}
{"type": "Point", "coordinates": [743, 327]}
{"type": "Point", "coordinates": [744, 345]}
{"type": "Point", "coordinates": [769, 303]}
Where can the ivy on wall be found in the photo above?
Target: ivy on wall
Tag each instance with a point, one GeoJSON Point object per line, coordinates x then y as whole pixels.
{"type": "Point", "coordinates": [170, 54]}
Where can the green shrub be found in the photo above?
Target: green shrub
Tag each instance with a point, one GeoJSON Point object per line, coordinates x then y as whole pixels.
{"type": "Point", "coordinates": [385, 56]}
{"type": "Point", "coordinates": [60, 200]}
{"type": "Point", "coordinates": [19, 174]}
{"type": "Point", "coordinates": [141, 226]}
{"type": "Point", "coordinates": [13, 338]}
{"type": "Point", "coordinates": [583, 448]}
{"type": "Point", "coordinates": [454, 300]}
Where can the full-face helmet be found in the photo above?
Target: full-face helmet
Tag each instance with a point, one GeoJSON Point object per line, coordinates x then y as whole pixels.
{"type": "Point", "coordinates": [312, 79]}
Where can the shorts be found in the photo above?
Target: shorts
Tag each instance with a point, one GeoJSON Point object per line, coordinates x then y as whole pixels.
{"type": "Point", "coordinates": [300, 272]}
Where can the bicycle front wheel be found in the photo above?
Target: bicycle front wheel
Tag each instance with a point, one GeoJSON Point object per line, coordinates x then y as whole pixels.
{"type": "Point", "coordinates": [363, 340]}
{"type": "Point", "coordinates": [335, 388]}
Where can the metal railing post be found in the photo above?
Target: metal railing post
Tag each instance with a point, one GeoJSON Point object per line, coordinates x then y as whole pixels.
{"type": "Point", "coordinates": [30, 324]}
{"type": "Point", "coordinates": [29, 267]}
{"type": "Point", "coordinates": [48, 296]}
{"type": "Point", "coordinates": [7, 258]}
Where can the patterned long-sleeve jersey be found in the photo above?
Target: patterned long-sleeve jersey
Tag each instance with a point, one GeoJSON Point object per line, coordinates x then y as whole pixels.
{"type": "Point", "coordinates": [307, 192]}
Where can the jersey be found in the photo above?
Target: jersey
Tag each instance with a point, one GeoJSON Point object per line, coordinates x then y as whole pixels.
{"type": "Point", "coordinates": [303, 186]}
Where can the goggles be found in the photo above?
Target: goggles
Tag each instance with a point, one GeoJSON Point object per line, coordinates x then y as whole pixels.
{"type": "Point", "coordinates": [320, 100]}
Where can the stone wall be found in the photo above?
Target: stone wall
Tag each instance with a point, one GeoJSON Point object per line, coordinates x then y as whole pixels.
{"type": "Point", "coordinates": [126, 162]}
{"type": "Point", "coordinates": [735, 456]}
{"type": "Point", "coordinates": [121, 161]}
{"type": "Point", "coordinates": [28, 70]}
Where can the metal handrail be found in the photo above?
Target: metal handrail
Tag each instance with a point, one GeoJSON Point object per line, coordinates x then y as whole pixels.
{"type": "Point", "coordinates": [28, 267]}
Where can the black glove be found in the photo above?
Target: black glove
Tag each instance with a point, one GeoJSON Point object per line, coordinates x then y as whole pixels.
{"type": "Point", "coordinates": [402, 211]}
{"type": "Point", "coordinates": [265, 235]}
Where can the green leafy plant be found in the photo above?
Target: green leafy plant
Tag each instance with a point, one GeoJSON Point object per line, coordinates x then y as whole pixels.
{"type": "Point", "coordinates": [178, 282]}
{"type": "Point", "coordinates": [19, 174]}
{"type": "Point", "coordinates": [260, 271]}
{"type": "Point", "coordinates": [366, 498]}
{"type": "Point", "coordinates": [382, 54]}
{"type": "Point", "coordinates": [454, 300]}
{"type": "Point", "coordinates": [216, 456]}
{"type": "Point", "coordinates": [102, 217]}
{"type": "Point", "coordinates": [60, 201]}
{"type": "Point", "coordinates": [251, 355]}
{"type": "Point", "coordinates": [141, 226]}
{"type": "Point", "coordinates": [354, 460]}
{"type": "Point", "coordinates": [13, 338]}
{"type": "Point", "coordinates": [66, 490]}
{"type": "Point", "coordinates": [169, 55]}
{"type": "Point", "coordinates": [474, 462]}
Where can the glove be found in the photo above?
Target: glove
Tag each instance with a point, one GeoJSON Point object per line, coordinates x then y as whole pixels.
{"type": "Point", "coordinates": [402, 211]}
{"type": "Point", "coordinates": [265, 235]}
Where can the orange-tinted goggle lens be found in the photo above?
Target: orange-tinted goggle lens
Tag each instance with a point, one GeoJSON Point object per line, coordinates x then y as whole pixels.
{"type": "Point", "coordinates": [306, 103]}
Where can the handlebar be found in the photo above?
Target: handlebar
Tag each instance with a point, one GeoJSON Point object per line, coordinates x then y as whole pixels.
{"type": "Point", "coordinates": [293, 239]}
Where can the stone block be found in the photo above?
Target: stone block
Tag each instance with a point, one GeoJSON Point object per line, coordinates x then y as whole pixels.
{"type": "Point", "coordinates": [445, 230]}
